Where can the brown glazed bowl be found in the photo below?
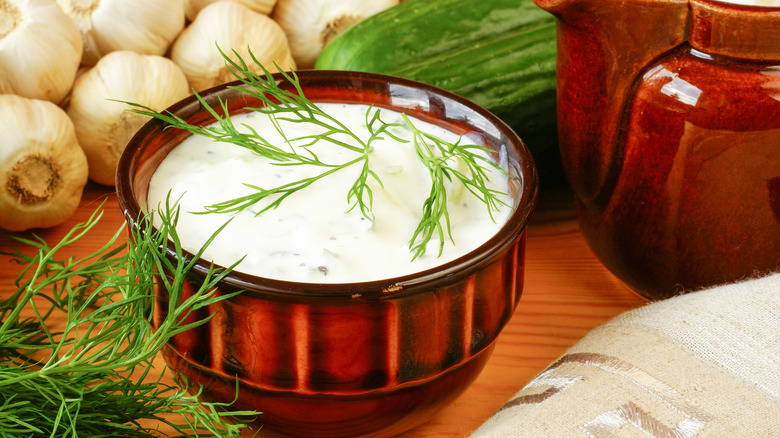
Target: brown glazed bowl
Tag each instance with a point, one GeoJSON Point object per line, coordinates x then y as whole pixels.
{"type": "Point", "coordinates": [361, 359]}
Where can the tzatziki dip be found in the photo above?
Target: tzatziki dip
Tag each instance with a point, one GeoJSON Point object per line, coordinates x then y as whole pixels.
{"type": "Point", "coordinates": [313, 236]}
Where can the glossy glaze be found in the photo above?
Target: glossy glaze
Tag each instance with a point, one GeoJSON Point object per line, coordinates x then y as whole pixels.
{"type": "Point", "coordinates": [669, 116]}
{"type": "Point", "coordinates": [362, 359]}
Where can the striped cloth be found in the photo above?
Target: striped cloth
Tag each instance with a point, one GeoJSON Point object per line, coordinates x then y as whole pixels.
{"type": "Point", "coordinates": [702, 364]}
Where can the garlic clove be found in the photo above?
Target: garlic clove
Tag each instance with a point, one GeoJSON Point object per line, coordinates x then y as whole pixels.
{"type": "Point", "coordinates": [103, 121]}
{"type": "Point", "coordinates": [40, 49]}
{"type": "Point", "coordinates": [193, 7]}
{"type": "Point", "coordinates": [230, 26]}
{"type": "Point", "coordinates": [310, 24]}
{"type": "Point", "coordinates": [43, 170]}
{"type": "Point", "coordinates": [146, 27]}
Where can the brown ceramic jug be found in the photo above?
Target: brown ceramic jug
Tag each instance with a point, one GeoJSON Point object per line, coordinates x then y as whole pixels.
{"type": "Point", "coordinates": [669, 124]}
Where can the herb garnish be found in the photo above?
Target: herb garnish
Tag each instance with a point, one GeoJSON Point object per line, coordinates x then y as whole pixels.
{"type": "Point", "coordinates": [88, 375]}
{"type": "Point", "coordinates": [292, 106]}
{"type": "Point", "coordinates": [438, 159]}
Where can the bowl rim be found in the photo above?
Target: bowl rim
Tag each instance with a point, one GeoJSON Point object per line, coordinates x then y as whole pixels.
{"type": "Point", "coordinates": [442, 274]}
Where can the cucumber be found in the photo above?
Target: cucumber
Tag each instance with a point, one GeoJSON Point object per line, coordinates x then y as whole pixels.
{"type": "Point", "coordinates": [499, 54]}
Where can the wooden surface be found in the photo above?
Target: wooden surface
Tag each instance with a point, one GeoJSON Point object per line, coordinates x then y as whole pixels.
{"type": "Point", "coordinates": [567, 293]}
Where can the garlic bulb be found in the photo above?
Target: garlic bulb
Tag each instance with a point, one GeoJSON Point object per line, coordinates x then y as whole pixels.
{"type": "Point", "coordinates": [310, 24]}
{"type": "Point", "coordinates": [147, 27]}
{"type": "Point", "coordinates": [42, 168]}
{"type": "Point", "coordinates": [103, 124]}
{"type": "Point", "coordinates": [40, 49]}
{"type": "Point", "coordinates": [229, 26]}
{"type": "Point", "coordinates": [192, 7]}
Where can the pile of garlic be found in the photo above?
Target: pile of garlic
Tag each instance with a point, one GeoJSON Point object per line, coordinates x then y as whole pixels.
{"type": "Point", "coordinates": [66, 66]}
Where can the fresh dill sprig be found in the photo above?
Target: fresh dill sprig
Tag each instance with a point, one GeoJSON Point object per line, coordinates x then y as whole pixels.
{"type": "Point", "coordinates": [281, 105]}
{"type": "Point", "coordinates": [439, 158]}
{"type": "Point", "coordinates": [292, 106]}
{"type": "Point", "coordinates": [79, 366]}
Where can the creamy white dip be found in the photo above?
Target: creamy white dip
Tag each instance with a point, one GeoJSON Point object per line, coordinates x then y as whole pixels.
{"type": "Point", "coordinates": [311, 237]}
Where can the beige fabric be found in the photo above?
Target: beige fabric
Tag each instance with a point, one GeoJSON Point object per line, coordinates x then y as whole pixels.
{"type": "Point", "coordinates": [704, 364]}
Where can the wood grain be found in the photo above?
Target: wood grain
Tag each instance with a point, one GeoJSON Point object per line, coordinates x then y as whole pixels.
{"type": "Point", "coordinates": [567, 293]}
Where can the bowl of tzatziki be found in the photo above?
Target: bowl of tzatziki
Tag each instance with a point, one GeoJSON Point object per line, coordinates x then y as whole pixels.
{"type": "Point", "coordinates": [374, 231]}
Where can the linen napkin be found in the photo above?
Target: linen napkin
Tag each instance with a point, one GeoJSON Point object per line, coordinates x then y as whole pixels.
{"type": "Point", "coordinates": [702, 364]}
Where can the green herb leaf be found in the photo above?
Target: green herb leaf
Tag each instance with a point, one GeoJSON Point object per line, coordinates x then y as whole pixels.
{"type": "Point", "coordinates": [439, 158]}
{"type": "Point", "coordinates": [88, 374]}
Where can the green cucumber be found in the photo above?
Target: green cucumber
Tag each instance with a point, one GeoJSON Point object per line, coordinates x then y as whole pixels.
{"type": "Point", "coordinates": [499, 54]}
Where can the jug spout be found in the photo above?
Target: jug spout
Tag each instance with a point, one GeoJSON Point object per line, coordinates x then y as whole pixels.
{"type": "Point", "coordinates": [603, 45]}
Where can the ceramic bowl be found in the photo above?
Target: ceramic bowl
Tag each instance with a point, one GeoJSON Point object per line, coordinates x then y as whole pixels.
{"type": "Point", "coordinates": [330, 360]}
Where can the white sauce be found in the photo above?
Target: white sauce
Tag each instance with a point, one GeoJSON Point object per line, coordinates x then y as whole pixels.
{"type": "Point", "coordinates": [311, 237]}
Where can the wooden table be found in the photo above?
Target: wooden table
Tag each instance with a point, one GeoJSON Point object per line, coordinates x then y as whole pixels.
{"type": "Point", "coordinates": [567, 293]}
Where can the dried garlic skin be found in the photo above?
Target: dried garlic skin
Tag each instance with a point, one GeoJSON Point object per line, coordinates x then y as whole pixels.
{"type": "Point", "coordinates": [40, 50]}
{"type": "Point", "coordinates": [310, 24]}
{"type": "Point", "coordinates": [103, 121]}
{"type": "Point", "coordinates": [193, 7]}
{"type": "Point", "coordinates": [230, 26]}
{"type": "Point", "coordinates": [43, 170]}
{"type": "Point", "coordinates": [147, 27]}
